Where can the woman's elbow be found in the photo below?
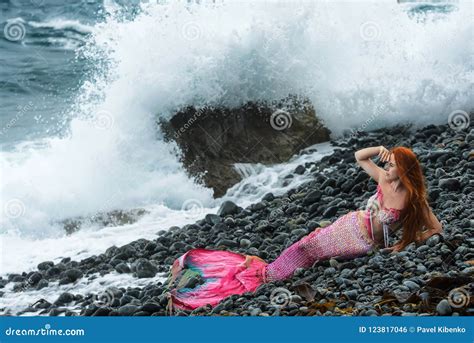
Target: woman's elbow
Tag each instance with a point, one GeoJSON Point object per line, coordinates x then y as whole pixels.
{"type": "Point", "coordinates": [356, 155]}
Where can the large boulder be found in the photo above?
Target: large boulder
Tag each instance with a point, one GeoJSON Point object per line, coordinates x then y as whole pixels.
{"type": "Point", "coordinates": [213, 139]}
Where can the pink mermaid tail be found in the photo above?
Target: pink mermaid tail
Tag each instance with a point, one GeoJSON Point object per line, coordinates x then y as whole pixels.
{"type": "Point", "coordinates": [345, 238]}
{"type": "Point", "coordinates": [201, 276]}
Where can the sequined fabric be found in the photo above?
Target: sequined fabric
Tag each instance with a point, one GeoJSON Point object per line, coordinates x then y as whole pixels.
{"type": "Point", "coordinates": [375, 206]}
{"type": "Point", "coordinates": [377, 212]}
{"type": "Point", "coordinates": [346, 237]}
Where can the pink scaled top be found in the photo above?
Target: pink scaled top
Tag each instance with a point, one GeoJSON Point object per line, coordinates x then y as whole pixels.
{"type": "Point", "coordinates": [386, 215]}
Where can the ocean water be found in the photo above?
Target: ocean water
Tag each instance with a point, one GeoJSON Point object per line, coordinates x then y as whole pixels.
{"type": "Point", "coordinates": [82, 85]}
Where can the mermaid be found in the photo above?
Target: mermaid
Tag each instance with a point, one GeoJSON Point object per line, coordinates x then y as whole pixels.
{"type": "Point", "coordinates": [206, 277]}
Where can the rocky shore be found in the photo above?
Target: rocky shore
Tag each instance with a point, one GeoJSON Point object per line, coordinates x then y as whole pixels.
{"type": "Point", "coordinates": [433, 278]}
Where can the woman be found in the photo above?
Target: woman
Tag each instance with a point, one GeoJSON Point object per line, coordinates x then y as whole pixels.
{"type": "Point", "coordinates": [202, 276]}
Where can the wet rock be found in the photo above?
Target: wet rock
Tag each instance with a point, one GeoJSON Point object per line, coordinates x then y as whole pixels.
{"type": "Point", "coordinates": [217, 138]}
{"type": "Point", "coordinates": [443, 308]}
{"type": "Point", "coordinates": [245, 243]}
{"type": "Point", "coordinates": [312, 197]}
{"type": "Point", "coordinates": [122, 268]}
{"type": "Point", "coordinates": [64, 298]}
{"type": "Point", "coordinates": [151, 307]}
{"type": "Point", "coordinates": [144, 269]}
{"type": "Point", "coordinates": [102, 311]}
{"type": "Point", "coordinates": [71, 275]}
{"type": "Point", "coordinates": [128, 310]}
{"type": "Point", "coordinates": [450, 184]}
{"type": "Point", "coordinates": [212, 219]}
{"type": "Point", "coordinates": [433, 240]}
{"type": "Point", "coordinates": [34, 278]}
{"type": "Point", "coordinates": [227, 243]}
{"type": "Point", "coordinates": [45, 265]}
{"type": "Point", "coordinates": [42, 284]}
{"type": "Point", "coordinates": [227, 208]}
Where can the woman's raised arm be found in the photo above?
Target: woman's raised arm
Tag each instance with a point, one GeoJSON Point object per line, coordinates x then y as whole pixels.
{"type": "Point", "coordinates": [363, 158]}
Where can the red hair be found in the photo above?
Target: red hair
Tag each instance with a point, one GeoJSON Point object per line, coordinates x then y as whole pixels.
{"type": "Point", "coordinates": [414, 215]}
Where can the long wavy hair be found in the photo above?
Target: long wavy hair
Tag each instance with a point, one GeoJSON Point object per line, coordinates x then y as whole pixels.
{"type": "Point", "coordinates": [415, 213]}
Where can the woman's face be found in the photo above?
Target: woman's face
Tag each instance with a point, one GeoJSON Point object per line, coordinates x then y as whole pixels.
{"type": "Point", "coordinates": [391, 172]}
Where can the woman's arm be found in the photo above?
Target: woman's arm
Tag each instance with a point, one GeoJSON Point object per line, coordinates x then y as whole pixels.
{"type": "Point", "coordinates": [434, 226]}
{"type": "Point", "coordinates": [363, 156]}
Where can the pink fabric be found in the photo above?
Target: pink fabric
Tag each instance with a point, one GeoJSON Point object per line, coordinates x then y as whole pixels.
{"type": "Point", "coordinates": [376, 209]}
{"type": "Point", "coordinates": [225, 274]}
{"type": "Point", "coordinates": [395, 213]}
{"type": "Point", "coordinates": [346, 237]}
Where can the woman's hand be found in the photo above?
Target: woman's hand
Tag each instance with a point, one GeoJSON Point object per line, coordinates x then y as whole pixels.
{"type": "Point", "coordinates": [363, 158]}
{"type": "Point", "coordinates": [396, 248]}
{"type": "Point", "coordinates": [424, 235]}
{"type": "Point", "coordinates": [384, 154]}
